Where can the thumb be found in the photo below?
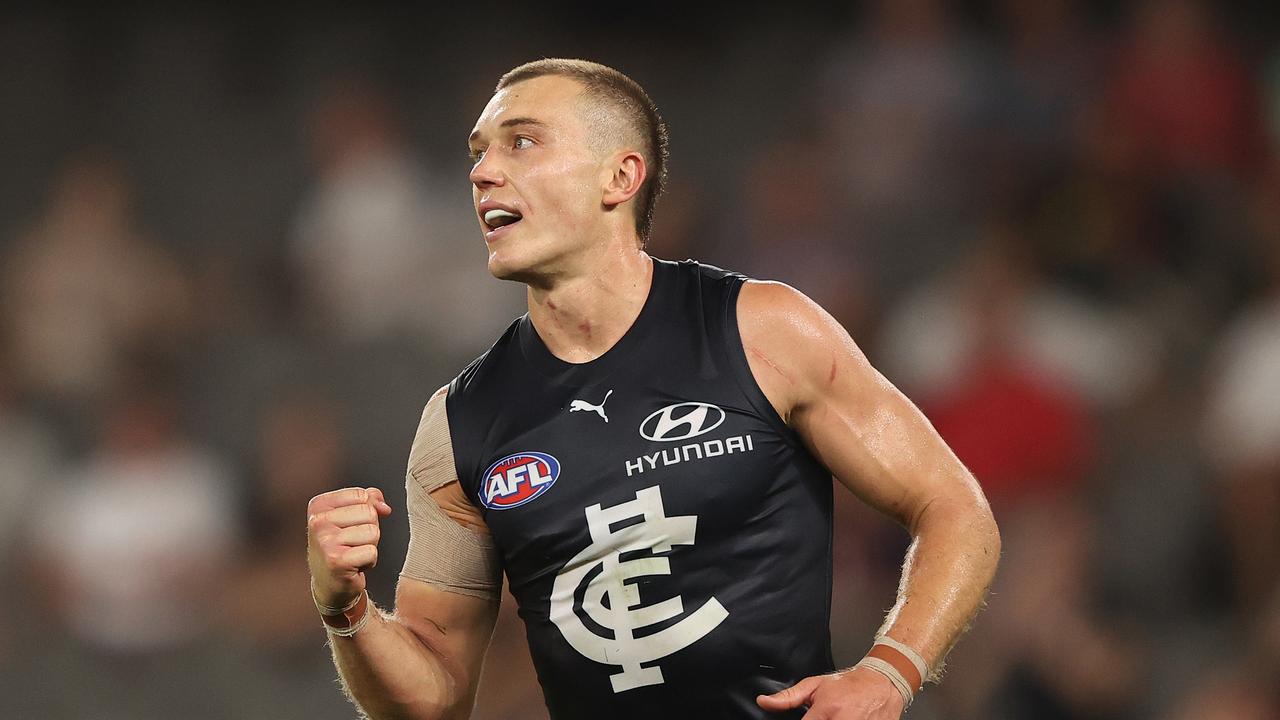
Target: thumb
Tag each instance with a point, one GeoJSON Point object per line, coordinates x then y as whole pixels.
{"type": "Point", "coordinates": [379, 502]}
{"type": "Point", "coordinates": [791, 697]}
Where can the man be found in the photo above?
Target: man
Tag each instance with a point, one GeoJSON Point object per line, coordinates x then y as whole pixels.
{"type": "Point", "coordinates": [648, 456]}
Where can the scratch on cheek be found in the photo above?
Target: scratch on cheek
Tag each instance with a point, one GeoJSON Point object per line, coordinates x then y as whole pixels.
{"type": "Point", "coordinates": [585, 329]}
{"type": "Point", "coordinates": [831, 377]}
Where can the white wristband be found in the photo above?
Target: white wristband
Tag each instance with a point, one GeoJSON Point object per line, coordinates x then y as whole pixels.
{"type": "Point", "coordinates": [349, 631]}
{"type": "Point", "coordinates": [895, 677]}
{"type": "Point", "coordinates": [332, 611]}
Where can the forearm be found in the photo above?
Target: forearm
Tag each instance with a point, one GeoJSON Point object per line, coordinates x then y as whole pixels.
{"type": "Point", "coordinates": [389, 672]}
{"type": "Point", "coordinates": [945, 577]}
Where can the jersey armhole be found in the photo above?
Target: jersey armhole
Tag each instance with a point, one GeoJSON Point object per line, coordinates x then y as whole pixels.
{"type": "Point", "coordinates": [736, 354]}
{"type": "Point", "coordinates": [462, 463]}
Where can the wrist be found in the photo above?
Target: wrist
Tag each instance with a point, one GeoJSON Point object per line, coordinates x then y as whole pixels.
{"type": "Point", "coordinates": [903, 666]}
{"type": "Point", "coordinates": [338, 609]}
{"type": "Point", "coordinates": [345, 620]}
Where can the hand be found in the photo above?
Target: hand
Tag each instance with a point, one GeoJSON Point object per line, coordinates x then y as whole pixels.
{"type": "Point", "coordinates": [856, 694]}
{"type": "Point", "coordinates": [342, 542]}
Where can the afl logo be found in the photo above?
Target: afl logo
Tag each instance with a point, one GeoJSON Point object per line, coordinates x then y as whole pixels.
{"type": "Point", "coordinates": [681, 421]}
{"type": "Point", "coordinates": [517, 479]}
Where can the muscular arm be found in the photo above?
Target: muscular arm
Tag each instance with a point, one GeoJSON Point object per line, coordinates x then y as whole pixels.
{"type": "Point", "coordinates": [423, 661]}
{"type": "Point", "coordinates": [884, 450]}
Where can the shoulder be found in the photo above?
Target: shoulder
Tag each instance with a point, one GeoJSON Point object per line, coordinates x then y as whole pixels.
{"type": "Point", "coordinates": [795, 348]}
{"type": "Point", "coordinates": [776, 317]}
{"type": "Point", "coordinates": [767, 308]}
{"type": "Point", "coordinates": [431, 449]}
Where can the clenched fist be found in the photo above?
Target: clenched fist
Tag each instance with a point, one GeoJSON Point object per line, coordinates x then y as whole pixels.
{"type": "Point", "coordinates": [342, 542]}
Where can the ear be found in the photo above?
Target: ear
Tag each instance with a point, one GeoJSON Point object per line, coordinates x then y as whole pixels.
{"type": "Point", "coordinates": [627, 174]}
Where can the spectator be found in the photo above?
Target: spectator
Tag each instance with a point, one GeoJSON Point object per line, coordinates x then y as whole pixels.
{"type": "Point", "coordinates": [29, 458]}
{"type": "Point", "coordinates": [379, 242]}
{"type": "Point", "coordinates": [941, 334]}
{"type": "Point", "coordinates": [266, 610]}
{"type": "Point", "coordinates": [791, 228]}
{"type": "Point", "coordinates": [136, 538]}
{"type": "Point", "coordinates": [898, 103]}
{"type": "Point", "coordinates": [300, 454]}
{"type": "Point", "coordinates": [1050, 74]}
{"type": "Point", "coordinates": [1242, 422]}
{"type": "Point", "coordinates": [85, 287]}
{"type": "Point", "coordinates": [1181, 94]}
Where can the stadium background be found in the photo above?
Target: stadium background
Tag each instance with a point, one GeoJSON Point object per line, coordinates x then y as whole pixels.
{"type": "Point", "coordinates": [237, 255]}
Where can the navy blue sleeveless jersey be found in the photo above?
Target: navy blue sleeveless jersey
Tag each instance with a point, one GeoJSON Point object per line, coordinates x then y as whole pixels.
{"type": "Point", "coordinates": [667, 537]}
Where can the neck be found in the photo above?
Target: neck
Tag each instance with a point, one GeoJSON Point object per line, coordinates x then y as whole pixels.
{"type": "Point", "coordinates": [580, 316]}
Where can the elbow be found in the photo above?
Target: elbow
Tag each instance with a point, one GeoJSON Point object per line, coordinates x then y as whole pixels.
{"type": "Point", "coordinates": [981, 526]}
{"type": "Point", "coordinates": [413, 709]}
{"type": "Point", "coordinates": [422, 705]}
{"type": "Point", "coordinates": [437, 697]}
{"type": "Point", "coordinates": [992, 547]}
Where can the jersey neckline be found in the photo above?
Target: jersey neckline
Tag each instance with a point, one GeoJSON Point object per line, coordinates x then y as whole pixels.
{"type": "Point", "coordinates": [537, 354]}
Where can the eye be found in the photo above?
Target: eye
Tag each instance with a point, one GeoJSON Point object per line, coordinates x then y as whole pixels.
{"type": "Point", "coordinates": [522, 142]}
{"type": "Point", "coordinates": [476, 154]}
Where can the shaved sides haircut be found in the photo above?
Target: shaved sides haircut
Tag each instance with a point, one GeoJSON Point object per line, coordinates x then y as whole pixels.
{"type": "Point", "coordinates": [631, 103]}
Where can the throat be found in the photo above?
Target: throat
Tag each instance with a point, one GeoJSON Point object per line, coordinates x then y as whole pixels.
{"type": "Point", "coordinates": [581, 321]}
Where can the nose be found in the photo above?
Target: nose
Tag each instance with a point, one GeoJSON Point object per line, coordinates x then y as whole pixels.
{"type": "Point", "coordinates": [486, 174]}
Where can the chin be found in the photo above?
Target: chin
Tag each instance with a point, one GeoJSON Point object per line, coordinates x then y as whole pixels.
{"type": "Point", "coordinates": [530, 259]}
{"type": "Point", "coordinates": [503, 266]}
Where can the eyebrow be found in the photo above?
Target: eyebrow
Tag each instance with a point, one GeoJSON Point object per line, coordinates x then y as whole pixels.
{"type": "Point", "coordinates": [510, 122]}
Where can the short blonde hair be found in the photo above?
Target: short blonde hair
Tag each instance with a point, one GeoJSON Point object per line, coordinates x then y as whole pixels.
{"type": "Point", "coordinates": [625, 95]}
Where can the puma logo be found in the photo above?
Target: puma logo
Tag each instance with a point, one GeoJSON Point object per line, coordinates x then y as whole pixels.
{"type": "Point", "coordinates": [577, 405]}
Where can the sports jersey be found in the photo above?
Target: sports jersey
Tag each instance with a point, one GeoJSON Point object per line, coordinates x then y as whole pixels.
{"type": "Point", "coordinates": [666, 536]}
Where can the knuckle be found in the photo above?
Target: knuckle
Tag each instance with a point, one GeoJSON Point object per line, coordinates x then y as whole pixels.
{"type": "Point", "coordinates": [322, 498]}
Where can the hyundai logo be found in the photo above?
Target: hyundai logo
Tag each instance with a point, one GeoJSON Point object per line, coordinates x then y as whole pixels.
{"type": "Point", "coordinates": [681, 421]}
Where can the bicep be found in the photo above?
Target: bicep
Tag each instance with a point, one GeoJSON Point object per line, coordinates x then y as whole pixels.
{"type": "Point", "coordinates": [872, 438]}
{"type": "Point", "coordinates": [879, 445]}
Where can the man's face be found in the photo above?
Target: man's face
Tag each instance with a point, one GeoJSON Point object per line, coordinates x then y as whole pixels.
{"type": "Point", "coordinates": [534, 161]}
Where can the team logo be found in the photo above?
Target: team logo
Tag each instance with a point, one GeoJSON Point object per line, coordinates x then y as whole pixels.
{"type": "Point", "coordinates": [517, 479]}
{"type": "Point", "coordinates": [681, 421]}
{"type": "Point", "coordinates": [601, 578]}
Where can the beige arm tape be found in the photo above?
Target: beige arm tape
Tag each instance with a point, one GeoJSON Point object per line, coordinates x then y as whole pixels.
{"type": "Point", "coordinates": [442, 552]}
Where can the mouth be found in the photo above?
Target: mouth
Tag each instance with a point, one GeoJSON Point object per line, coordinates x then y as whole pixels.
{"type": "Point", "coordinates": [497, 219]}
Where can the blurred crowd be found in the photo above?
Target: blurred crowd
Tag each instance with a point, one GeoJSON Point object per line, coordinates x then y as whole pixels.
{"type": "Point", "coordinates": [234, 264]}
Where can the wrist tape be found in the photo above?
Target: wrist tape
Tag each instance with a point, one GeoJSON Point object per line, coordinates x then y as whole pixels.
{"type": "Point", "coordinates": [900, 664]}
{"type": "Point", "coordinates": [344, 621]}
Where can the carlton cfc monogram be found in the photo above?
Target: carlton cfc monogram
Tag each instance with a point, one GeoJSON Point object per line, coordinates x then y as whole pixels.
{"type": "Point", "coordinates": [625, 611]}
